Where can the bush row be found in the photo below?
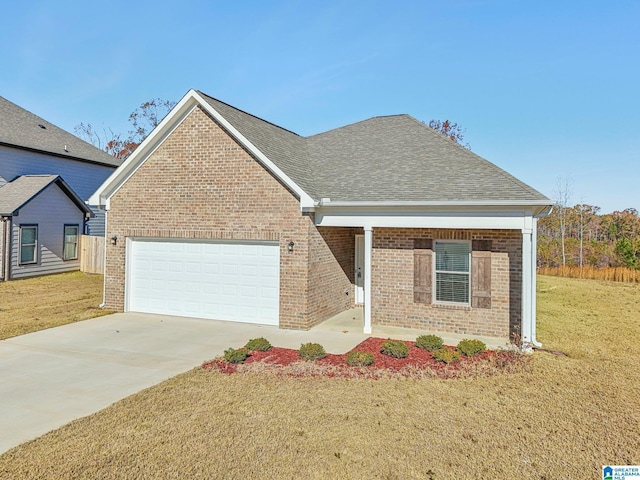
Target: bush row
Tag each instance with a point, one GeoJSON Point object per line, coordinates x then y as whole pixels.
{"type": "Point", "coordinates": [392, 348]}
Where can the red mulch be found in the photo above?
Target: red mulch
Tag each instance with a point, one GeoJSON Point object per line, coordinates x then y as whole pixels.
{"type": "Point", "coordinates": [419, 363]}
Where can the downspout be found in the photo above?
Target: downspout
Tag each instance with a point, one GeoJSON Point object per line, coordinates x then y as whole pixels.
{"type": "Point", "coordinates": [104, 276]}
{"type": "Point", "coordinates": [6, 248]}
{"type": "Point", "coordinates": [534, 279]}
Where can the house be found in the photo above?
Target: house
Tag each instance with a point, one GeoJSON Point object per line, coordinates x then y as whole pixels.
{"type": "Point", "coordinates": [46, 176]}
{"type": "Point", "coordinates": [42, 220]}
{"type": "Point", "coordinates": [29, 145]}
{"type": "Point", "coordinates": [219, 214]}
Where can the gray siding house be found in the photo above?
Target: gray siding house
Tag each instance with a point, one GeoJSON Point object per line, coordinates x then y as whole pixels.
{"type": "Point", "coordinates": [42, 222]}
{"type": "Point", "coordinates": [44, 172]}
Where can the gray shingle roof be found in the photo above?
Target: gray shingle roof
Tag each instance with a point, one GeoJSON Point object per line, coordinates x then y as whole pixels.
{"type": "Point", "coordinates": [21, 128]}
{"type": "Point", "coordinates": [15, 194]}
{"type": "Point", "coordinates": [394, 158]}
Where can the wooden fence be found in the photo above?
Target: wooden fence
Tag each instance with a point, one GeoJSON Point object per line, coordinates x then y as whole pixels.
{"type": "Point", "coordinates": [91, 254]}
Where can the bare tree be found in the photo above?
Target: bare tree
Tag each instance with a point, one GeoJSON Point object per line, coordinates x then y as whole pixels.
{"type": "Point", "coordinates": [563, 192]}
{"type": "Point", "coordinates": [143, 119]}
{"type": "Point", "coordinates": [452, 131]}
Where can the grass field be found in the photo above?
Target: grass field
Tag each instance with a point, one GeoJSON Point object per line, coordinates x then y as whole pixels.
{"type": "Point", "coordinates": [37, 303]}
{"type": "Point", "coordinates": [562, 417]}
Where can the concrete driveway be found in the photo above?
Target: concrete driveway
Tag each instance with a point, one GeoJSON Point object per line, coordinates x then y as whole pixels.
{"type": "Point", "coordinates": [52, 377]}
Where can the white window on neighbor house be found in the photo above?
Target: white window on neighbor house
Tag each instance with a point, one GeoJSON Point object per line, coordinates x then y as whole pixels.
{"type": "Point", "coordinates": [452, 272]}
{"type": "Point", "coordinates": [28, 244]}
{"type": "Point", "coordinates": [70, 242]}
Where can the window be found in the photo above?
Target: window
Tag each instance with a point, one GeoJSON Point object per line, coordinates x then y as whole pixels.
{"type": "Point", "coordinates": [70, 242]}
{"type": "Point", "coordinates": [28, 244]}
{"type": "Point", "coordinates": [452, 271]}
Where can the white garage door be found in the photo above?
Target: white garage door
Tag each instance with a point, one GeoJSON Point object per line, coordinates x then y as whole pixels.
{"type": "Point", "coordinates": [236, 281]}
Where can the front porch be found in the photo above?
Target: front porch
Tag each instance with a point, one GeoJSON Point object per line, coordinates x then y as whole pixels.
{"type": "Point", "coordinates": [352, 321]}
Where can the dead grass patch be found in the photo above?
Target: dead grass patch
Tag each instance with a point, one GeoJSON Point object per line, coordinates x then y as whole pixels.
{"type": "Point", "coordinates": [34, 304]}
{"type": "Point", "coordinates": [562, 417]}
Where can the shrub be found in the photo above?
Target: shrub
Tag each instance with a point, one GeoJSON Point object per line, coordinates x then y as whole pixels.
{"type": "Point", "coordinates": [429, 342]}
{"type": "Point", "coordinates": [258, 344]}
{"type": "Point", "coordinates": [311, 351]}
{"type": "Point", "coordinates": [233, 355]}
{"type": "Point", "coordinates": [359, 359]}
{"type": "Point", "coordinates": [395, 349]}
{"type": "Point", "coordinates": [471, 347]}
{"type": "Point", "coordinates": [446, 355]}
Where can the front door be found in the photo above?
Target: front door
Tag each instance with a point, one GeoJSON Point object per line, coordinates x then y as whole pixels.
{"type": "Point", "coordinates": [359, 269]}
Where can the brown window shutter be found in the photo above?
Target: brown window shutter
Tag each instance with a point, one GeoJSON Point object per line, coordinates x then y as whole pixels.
{"type": "Point", "coordinates": [481, 274]}
{"type": "Point", "coordinates": [422, 258]}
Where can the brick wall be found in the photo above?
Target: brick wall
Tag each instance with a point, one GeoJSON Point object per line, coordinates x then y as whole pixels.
{"type": "Point", "coordinates": [331, 266]}
{"type": "Point", "coordinates": [201, 184]}
{"type": "Point", "coordinates": [392, 284]}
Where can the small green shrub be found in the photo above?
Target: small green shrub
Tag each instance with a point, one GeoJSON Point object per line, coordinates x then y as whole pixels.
{"type": "Point", "coordinates": [258, 345]}
{"type": "Point", "coordinates": [471, 347]}
{"type": "Point", "coordinates": [395, 349]}
{"type": "Point", "coordinates": [429, 342]}
{"type": "Point", "coordinates": [446, 355]}
{"type": "Point", "coordinates": [233, 355]}
{"type": "Point", "coordinates": [360, 359]}
{"type": "Point", "coordinates": [311, 351]}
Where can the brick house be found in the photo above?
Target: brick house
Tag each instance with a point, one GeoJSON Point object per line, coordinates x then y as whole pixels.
{"type": "Point", "coordinates": [220, 214]}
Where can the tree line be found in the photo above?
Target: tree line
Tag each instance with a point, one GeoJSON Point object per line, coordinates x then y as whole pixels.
{"type": "Point", "coordinates": [581, 236]}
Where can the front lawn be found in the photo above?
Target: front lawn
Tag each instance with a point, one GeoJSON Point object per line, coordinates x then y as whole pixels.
{"type": "Point", "coordinates": [561, 417]}
{"type": "Point", "coordinates": [37, 303]}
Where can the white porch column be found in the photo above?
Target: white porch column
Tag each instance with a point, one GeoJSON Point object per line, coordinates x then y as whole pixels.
{"type": "Point", "coordinates": [534, 282]}
{"type": "Point", "coordinates": [527, 294]}
{"type": "Point", "coordinates": [368, 248]}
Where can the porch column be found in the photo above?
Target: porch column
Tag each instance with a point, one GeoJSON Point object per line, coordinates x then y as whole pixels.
{"type": "Point", "coordinates": [368, 247]}
{"type": "Point", "coordinates": [527, 244]}
{"type": "Point", "coordinates": [534, 282]}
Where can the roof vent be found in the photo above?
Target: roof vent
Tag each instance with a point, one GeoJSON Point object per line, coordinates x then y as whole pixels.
{"type": "Point", "coordinates": [42, 126]}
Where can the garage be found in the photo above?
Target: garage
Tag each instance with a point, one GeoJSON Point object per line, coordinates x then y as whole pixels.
{"type": "Point", "coordinates": [232, 281]}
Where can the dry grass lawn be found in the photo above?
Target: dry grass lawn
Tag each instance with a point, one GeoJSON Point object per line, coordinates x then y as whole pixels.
{"type": "Point", "coordinates": [563, 417]}
{"type": "Point", "coordinates": [37, 303]}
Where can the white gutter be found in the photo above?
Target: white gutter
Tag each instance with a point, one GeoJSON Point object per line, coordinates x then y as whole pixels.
{"type": "Point", "coordinates": [326, 202]}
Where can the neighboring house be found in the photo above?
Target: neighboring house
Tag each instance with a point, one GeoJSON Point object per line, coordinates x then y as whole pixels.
{"type": "Point", "coordinates": [42, 220]}
{"type": "Point", "coordinates": [219, 214]}
{"type": "Point", "coordinates": [44, 173]}
{"type": "Point", "coordinates": [30, 145]}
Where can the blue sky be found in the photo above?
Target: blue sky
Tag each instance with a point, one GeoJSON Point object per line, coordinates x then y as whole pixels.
{"type": "Point", "coordinates": [544, 89]}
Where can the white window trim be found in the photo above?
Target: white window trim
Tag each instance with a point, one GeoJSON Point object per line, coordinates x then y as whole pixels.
{"type": "Point", "coordinates": [35, 246]}
{"type": "Point", "coordinates": [64, 241]}
{"type": "Point", "coordinates": [434, 278]}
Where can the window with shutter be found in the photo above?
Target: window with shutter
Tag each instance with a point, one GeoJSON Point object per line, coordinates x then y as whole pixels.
{"type": "Point", "coordinates": [452, 271]}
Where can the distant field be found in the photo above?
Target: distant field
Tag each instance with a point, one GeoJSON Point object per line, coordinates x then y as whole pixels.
{"type": "Point", "coordinates": [563, 417]}
{"type": "Point", "coordinates": [37, 303]}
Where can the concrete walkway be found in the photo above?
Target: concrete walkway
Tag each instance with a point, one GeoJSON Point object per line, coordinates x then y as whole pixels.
{"type": "Point", "coordinates": [54, 376]}
{"type": "Point", "coordinates": [51, 377]}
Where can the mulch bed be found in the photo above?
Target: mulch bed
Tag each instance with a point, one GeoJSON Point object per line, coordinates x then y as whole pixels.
{"type": "Point", "coordinates": [419, 364]}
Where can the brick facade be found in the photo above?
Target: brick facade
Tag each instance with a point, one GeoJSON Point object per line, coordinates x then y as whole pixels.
{"type": "Point", "coordinates": [201, 184]}
{"type": "Point", "coordinates": [393, 284]}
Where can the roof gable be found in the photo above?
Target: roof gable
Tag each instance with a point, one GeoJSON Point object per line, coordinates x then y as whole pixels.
{"type": "Point", "coordinates": [17, 193]}
{"type": "Point", "coordinates": [20, 128]}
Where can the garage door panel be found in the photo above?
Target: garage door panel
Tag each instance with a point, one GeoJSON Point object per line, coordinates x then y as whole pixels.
{"type": "Point", "coordinates": [222, 281]}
